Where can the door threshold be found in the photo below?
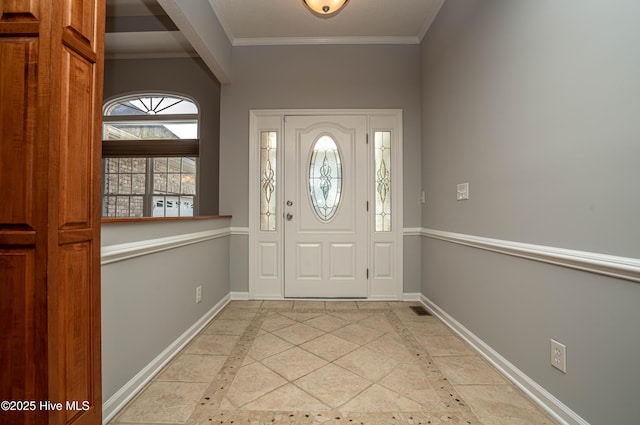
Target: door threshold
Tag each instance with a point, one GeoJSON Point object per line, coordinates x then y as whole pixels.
{"type": "Point", "coordinates": [326, 299]}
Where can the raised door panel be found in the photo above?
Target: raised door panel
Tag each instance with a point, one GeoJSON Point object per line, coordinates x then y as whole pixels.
{"type": "Point", "coordinates": [309, 256]}
{"type": "Point", "coordinates": [28, 8]}
{"type": "Point", "coordinates": [343, 261]}
{"type": "Point", "coordinates": [77, 287]}
{"type": "Point", "coordinates": [18, 348]}
{"type": "Point", "coordinates": [78, 328]}
{"type": "Point", "coordinates": [76, 142]}
{"type": "Point", "coordinates": [18, 86]}
{"type": "Point", "coordinates": [268, 260]}
{"type": "Point", "coordinates": [79, 18]}
{"type": "Point", "coordinates": [22, 370]}
{"type": "Point", "coordinates": [383, 256]}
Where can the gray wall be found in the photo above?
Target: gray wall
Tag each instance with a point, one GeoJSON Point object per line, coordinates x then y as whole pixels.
{"type": "Point", "coordinates": [535, 104]}
{"type": "Point", "coordinates": [314, 77]}
{"type": "Point", "coordinates": [146, 305]}
{"type": "Point", "coordinates": [412, 261]}
{"type": "Point", "coordinates": [188, 76]}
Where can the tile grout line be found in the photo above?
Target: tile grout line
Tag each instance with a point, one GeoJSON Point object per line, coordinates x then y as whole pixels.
{"type": "Point", "coordinates": [442, 405]}
{"type": "Point", "coordinates": [299, 346]}
{"type": "Point", "coordinates": [444, 388]}
{"type": "Point", "coordinates": [217, 390]}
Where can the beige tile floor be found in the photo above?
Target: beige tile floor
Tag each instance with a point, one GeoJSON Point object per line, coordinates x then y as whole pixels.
{"type": "Point", "coordinates": [334, 362]}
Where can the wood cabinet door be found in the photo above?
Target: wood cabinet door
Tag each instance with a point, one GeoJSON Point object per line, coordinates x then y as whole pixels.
{"type": "Point", "coordinates": [51, 74]}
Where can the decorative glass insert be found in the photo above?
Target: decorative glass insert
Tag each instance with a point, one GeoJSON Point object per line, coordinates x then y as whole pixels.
{"type": "Point", "coordinates": [382, 140]}
{"type": "Point", "coordinates": [325, 178]}
{"type": "Point", "coordinates": [268, 151]}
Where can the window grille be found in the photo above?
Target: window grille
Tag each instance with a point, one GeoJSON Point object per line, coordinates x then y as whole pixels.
{"type": "Point", "coordinates": [150, 156]}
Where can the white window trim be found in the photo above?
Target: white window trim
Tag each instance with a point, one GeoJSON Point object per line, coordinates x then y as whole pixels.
{"type": "Point", "coordinates": [173, 118]}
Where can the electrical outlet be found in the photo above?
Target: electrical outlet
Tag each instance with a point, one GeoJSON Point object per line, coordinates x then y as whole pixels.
{"type": "Point", "coordinates": [559, 355]}
{"type": "Point", "coordinates": [463, 192]}
{"type": "Point", "coordinates": [198, 294]}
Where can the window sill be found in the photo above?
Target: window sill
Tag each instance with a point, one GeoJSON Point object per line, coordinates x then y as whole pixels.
{"type": "Point", "coordinates": [159, 219]}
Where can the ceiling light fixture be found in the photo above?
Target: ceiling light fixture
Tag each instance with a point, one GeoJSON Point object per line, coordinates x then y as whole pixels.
{"type": "Point", "coordinates": [325, 8]}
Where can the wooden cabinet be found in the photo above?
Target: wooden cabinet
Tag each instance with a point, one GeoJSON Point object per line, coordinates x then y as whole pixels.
{"type": "Point", "coordinates": [51, 74]}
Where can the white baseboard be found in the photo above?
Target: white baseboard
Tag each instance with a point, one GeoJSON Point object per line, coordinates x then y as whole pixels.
{"type": "Point", "coordinates": [116, 402]}
{"type": "Point", "coordinates": [554, 407]}
{"type": "Point", "coordinates": [408, 296]}
{"type": "Point", "coordinates": [239, 296]}
{"type": "Point", "coordinates": [411, 296]}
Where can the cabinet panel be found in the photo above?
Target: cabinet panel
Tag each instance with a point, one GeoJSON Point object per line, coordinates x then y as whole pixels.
{"type": "Point", "coordinates": [50, 98]}
{"type": "Point", "coordinates": [17, 316]}
{"type": "Point", "coordinates": [79, 17]}
{"type": "Point", "coordinates": [18, 90]}
{"type": "Point", "coordinates": [28, 8]}
{"type": "Point", "coordinates": [77, 321]}
{"type": "Point", "coordinates": [76, 142]}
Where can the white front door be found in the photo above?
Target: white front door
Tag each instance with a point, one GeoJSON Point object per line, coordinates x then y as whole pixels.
{"type": "Point", "coordinates": [325, 207]}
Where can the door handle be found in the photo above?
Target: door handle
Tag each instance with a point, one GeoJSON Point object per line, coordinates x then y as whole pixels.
{"type": "Point", "coordinates": [289, 216]}
{"type": "Point", "coordinates": [289, 203]}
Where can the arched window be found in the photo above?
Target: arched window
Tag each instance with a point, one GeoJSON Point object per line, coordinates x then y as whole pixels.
{"type": "Point", "coordinates": [150, 153]}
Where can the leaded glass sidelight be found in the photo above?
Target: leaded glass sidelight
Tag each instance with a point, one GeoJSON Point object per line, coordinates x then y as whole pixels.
{"type": "Point", "coordinates": [382, 141]}
{"type": "Point", "coordinates": [325, 178]}
{"type": "Point", "coordinates": [268, 151]}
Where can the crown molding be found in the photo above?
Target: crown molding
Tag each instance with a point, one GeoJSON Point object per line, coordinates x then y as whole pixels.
{"type": "Point", "coordinates": [293, 41]}
{"type": "Point", "coordinates": [427, 25]}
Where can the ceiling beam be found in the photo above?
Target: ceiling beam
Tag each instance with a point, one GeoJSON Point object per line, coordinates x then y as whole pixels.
{"type": "Point", "coordinates": [200, 26]}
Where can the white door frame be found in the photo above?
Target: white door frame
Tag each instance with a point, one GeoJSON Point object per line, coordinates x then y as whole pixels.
{"type": "Point", "coordinates": [266, 248]}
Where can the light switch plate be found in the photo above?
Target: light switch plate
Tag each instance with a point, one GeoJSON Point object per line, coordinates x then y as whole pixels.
{"type": "Point", "coordinates": [463, 191]}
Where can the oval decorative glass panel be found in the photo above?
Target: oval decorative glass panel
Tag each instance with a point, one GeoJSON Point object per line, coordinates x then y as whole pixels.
{"type": "Point", "coordinates": [325, 178]}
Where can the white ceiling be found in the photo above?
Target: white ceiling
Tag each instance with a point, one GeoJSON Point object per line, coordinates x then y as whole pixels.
{"type": "Point", "coordinates": [272, 22]}
{"type": "Point", "coordinates": [248, 22]}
